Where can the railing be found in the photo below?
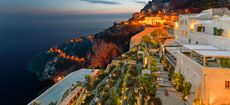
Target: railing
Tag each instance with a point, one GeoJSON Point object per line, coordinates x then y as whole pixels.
{"type": "Point", "coordinates": [170, 58]}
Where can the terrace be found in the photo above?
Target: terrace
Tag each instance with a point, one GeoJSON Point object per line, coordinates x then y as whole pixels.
{"type": "Point", "coordinates": [56, 92]}
{"type": "Point", "coordinates": [207, 56]}
{"type": "Point", "coordinates": [171, 49]}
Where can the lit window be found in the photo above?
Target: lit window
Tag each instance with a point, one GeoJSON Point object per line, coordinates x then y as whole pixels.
{"type": "Point", "coordinates": [227, 84]}
{"type": "Point", "coordinates": [176, 26]}
{"type": "Point", "coordinates": [184, 33]}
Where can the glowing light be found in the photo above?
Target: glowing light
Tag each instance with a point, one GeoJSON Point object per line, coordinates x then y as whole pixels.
{"type": "Point", "coordinates": [192, 26]}
{"type": "Point", "coordinates": [228, 34]}
{"type": "Point", "coordinates": [186, 11]}
{"type": "Point", "coordinates": [64, 55]}
{"type": "Point", "coordinates": [176, 36]}
{"type": "Point", "coordinates": [176, 26]}
{"type": "Point", "coordinates": [148, 97]}
{"type": "Point", "coordinates": [59, 78]}
{"type": "Point", "coordinates": [120, 101]}
{"type": "Point", "coordinates": [125, 97]}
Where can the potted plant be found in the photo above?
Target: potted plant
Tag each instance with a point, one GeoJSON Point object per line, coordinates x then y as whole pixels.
{"type": "Point", "coordinates": [199, 29]}
{"type": "Point", "coordinates": [215, 31]}
{"type": "Point", "coordinates": [218, 32]}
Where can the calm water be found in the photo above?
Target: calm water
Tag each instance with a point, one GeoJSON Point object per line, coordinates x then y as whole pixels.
{"type": "Point", "coordinates": [22, 37]}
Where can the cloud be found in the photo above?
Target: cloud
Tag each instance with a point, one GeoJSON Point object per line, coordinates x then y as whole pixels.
{"type": "Point", "coordinates": [141, 2]}
{"type": "Point", "coordinates": [144, 2]}
{"type": "Point", "coordinates": [102, 2]}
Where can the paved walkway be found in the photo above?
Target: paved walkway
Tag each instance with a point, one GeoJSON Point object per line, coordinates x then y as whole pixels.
{"type": "Point", "coordinates": [173, 97]}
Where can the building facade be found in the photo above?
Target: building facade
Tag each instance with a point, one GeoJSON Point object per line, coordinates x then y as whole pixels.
{"type": "Point", "coordinates": [204, 40]}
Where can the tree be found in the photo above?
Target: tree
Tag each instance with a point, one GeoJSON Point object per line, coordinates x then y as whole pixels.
{"type": "Point", "coordinates": [87, 78]}
{"type": "Point", "coordinates": [158, 34]}
{"type": "Point", "coordinates": [153, 64]}
{"type": "Point", "coordinates": [148, 84]}
{"type": "Point", "coordinates": [146, 40]}
{"type": "Point", "coordinates": [89, 83]}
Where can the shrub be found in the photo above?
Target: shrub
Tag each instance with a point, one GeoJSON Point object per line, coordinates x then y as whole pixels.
{"type": "Point", "coordinates": [215, 31]}
{"type": "Point", "coordinates": [158, 101]}
{"type": "Point", "coordinates": [199, 29]}
{"type": "Point", "coordinates": [178, 80]}
{"type": "Point", "coordinates": [225, 62]}
{"type": "Point", "coordinates": [114, 98]}
{"type": "Point", "coordinates": [218, 32]}
{"type": "Point", "coordinates": [149, 84]}
{"type": "Point", "coordinates": [186, 89]}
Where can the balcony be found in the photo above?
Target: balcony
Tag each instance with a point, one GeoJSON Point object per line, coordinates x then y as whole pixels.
{"type": "Point", "coordinates": [208, 56]}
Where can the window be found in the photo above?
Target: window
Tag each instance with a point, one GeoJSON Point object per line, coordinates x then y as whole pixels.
{"type": "Point", "coordinates": [184, 33]}
{"type": "Point", "coordinates": [227, 84]}
{"type": "Point", "coordinates": [197, 42]}
{"type": "Point", "coordinates": [189, 41]}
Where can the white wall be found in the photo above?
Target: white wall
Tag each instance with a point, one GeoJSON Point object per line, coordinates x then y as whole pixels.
{"type": "Point", "coordinates": [192, 73]}
{"type": "Point", "coordinates": [202, 38]}
{"type": "Point", "coordinates": [216, 93]}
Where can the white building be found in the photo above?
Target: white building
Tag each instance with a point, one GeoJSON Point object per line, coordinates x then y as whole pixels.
{"type": "Point", "coordinates": [199, 28]}
{"type": "Point", "coordinates": [200, 56]}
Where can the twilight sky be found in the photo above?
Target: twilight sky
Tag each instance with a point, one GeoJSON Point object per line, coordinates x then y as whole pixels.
{"type": "Point", "coordinates": [70, 6]}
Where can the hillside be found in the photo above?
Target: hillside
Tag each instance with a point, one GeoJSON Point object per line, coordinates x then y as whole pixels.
{"type": "Point", "coordinates": [96, 51]}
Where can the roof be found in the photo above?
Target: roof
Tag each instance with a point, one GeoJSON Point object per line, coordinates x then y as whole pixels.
{"type": "Point", "coordinates": [213, 53]}
{"type": "Point", "coordinates": [171, 42]}
{"type": "Point", "coordinates": [55, 93]}
{"type": "Point", "coordinates": [200, 47]}
{"type": "Point", "coordinates": [173, 50]}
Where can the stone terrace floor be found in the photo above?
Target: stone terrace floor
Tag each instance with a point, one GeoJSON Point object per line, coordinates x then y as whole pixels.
{"type": "Point", "coordinates": [173, 97]}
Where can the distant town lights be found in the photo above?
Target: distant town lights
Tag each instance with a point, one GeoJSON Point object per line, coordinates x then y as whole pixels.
{"type": "Point", "coordinates": [59, 78]}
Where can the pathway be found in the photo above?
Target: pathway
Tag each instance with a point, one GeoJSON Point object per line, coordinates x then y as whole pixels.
{"type": "Point", "coordinates": [171, 97]}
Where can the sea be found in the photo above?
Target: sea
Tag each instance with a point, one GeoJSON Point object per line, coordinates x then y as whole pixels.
{"type": "Point", "coordinates": [24, 36]}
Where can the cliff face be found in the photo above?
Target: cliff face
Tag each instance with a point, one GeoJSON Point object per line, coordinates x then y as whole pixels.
{"type": "Point", "coordinates": [104, 53]}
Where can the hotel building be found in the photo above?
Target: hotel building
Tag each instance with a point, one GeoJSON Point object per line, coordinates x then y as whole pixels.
{"type": "Point", "coordinates": [201, 53]}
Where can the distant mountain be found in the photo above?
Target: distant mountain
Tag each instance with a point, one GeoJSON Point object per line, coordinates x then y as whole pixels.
{"type": "Point", "coordinates": [179, 6]}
